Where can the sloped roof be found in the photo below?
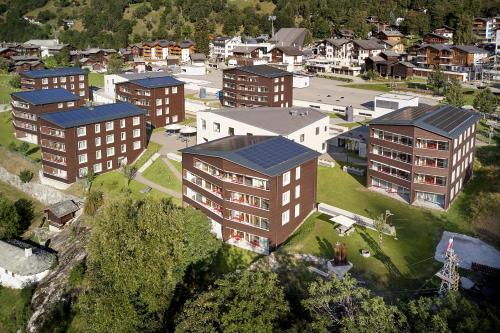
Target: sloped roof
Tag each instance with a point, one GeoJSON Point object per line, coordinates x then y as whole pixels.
{"type": "Point", "coordinates": [289, 37]}
{"type": "Point", "coordinates": [446, 120]}
{"type": "Point", "coordinates": [432, 34]}
{"type": "Point", "coordinates": [337, 42]}
{"type": "Point", "coordinates": [470, 49]}
{"type": "Point", "coordinates": [46, 96]}
{"type": "Point", "coordinates": [198, 57]}
{"type": "Point", "coordinates": [289, 50]}
{"type": "Point", "coordinates": [245, 49]}
{"type": "Point", "coordinates": [63, 208]}
{"type": "Point", "coordinates": [13, 259]}
{"type": "Point", "coordinates": [269, 155]}
{"type": "Point", "coordinates": [369, 44]}
{"type": "Point", "coordinates": [392, 33]}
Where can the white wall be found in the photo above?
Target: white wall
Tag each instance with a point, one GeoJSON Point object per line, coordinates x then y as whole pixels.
{"type": "Point", "coordinates": [311, 139]}
{"type": "Point", "coordinates": [109, 84]}
{"type": "Point", "coordinates": [19, 281]}
{"type": "Point", "coordinates": [402, 103]}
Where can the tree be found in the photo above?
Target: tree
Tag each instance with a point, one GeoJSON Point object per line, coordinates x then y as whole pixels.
{"type": "Point", "coordinates": [50, 62]}
{"type": "Point", "coordinates": [485, 101]}
{"type": "Point", "coordinates": [93, 202]}
{"type": "Point", "coordinates": [115, 64]}
{"type": "Point", "coordinates": [129, 172]}
{"type": "Point", "coordinates": [454, 95]}
{"type": "Point", "coordinates": [321, 28]}
{"type": "Point", "coordinates": [9, 219]}
{"type": "Point", "coordinates": [4, 65]}
{"type": "Point", "coordinates": [201, 36]}
{"type": "Point", "coordinates": [463, 32]}
{"type": "Point", "coordinates": [437, 80]}
{"type": "Point", "coordinates": [25, 210]}
{"type": "Point", "coordinates": [24, 147]}
{"type": "Point", "coordinates": [137, 255]}
{"type": "Point", "coordinates": [15, 81]}
{"type": "Point", "coordinates": [26, 175]}
{"type": "Point", "coordinates": [89, 179]}
{"type": "Point", "coordinates": [380, 226]}
{"type": "Point", "coordinates": [239, 302]}
{"type": "Point", "coordinates": [341, 305]}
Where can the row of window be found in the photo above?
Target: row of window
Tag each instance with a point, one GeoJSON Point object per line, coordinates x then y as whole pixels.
{"type": "Point", "coordinates": [285, 216]}
{"type": "Point", "coordinates": [81, 93]}
{"type": "Point", "coordinates": [286, 195]}
{"type": "Point", "coordinates": [82, 172]}
{"type": "Point", "coordinates": [82, 131]}
{"type": "Point", "coordinates": [62, 79]}
{"type": "Point", "coordinates": [408, 141]}
{"type": "Point", "coordinates": [82, 158]}
{"type": "Point", "coordinates": [82, 144]}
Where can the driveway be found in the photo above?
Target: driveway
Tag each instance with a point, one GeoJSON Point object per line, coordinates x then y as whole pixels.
{"type": "Point", "coordinates": [171, 143]}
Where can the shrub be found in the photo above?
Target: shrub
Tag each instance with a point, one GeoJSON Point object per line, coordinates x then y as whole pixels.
{"type": "Point", "coordinates": [93, 202]}
{"type": "Point", "coordinates": [76, 274]}
{"type": "Point", "coordinates": [13, 146]}
{"type": "Point", "coordinates": [26, 176]}
{"type": "Point", "coordinates": [24, 147]}
{"type": "Point", "coordinates": [24, 208]}
{"type": "Point", "coordinates": [15, 81]}
{"type": "Point", "coordinates": [336, 78]}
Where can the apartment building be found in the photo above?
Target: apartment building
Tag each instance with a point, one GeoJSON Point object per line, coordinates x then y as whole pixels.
{"type": "Point", "coordinates": [422, 155]}
{"type": "Point", "coordinates": [27, 106]}
{"type": "Point", "coordinates": [364, 48]}
{"type": "Point", "coordinates": [256, 190]}
{"type": "Point", "coordinates": [221, 47]}
{"type": "Point", "coordinates": [162, 98]}
{"type": "Point", "coordinates": [100, 138]}
{"type": "Point", "coordinates": [339, 50]}
{"type": "Point", "coordinates": [288, 56]}
{"type": "Point", "coordinates": [307, 126]}
{"type": "Point", "coordinates": [484, 29]}
{"type": "Point", "coordinates": [73, 79]}
{"type": "Point", "coordinates": [260, 85]}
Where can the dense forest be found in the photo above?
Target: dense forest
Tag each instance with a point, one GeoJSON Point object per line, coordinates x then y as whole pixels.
{"type": "Point", "coordinates": [116, 23]}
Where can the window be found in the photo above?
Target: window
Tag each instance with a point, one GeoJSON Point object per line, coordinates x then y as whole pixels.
{"type": "Point", "coordinates": [72, 86]}
{"type": "Point", "coordinates": [82, 144]}
{"type": "Point", "coordinates": [136, 133]}
{"type": "Point", "coordinates": [317, 130]}
{"type": "Point", "coordinates": [276, 98]}
{"type": "Point", "coordinates": [82, 158]}
{"type": "Point", "coordinates": [174, 90]}
{"type": "Point", "coordinates": [45, 81]}
{"type": "Point", "coordinates": [297, 191]}
{"type": "Point", "coordinates": [216, 127]}
{"type": "Point", "coordinates": [167, 109]}
{"type": "Point", "coordinates": [285, 217]}
{"type": "Point", "coordinates": [60, 105]}
{"type": "Point", "coordinates": [285, 198]}
{"type": "Point", "coordinates": [82, 77]}
{"type": "Point", "coordinates": [276, 80]}
{"type": "Point", "coordinates": [302, 137]}
{"type": "Point", "coordinates": [98, 167]}
{"type": "Point", "coordinates": [286, 178]}
{"type": "Point", "coordinates": [98, 155]}
{"type": "Point", "coordinates": [97, 141]}
{"type": "Point", "coordinates": [230, 131]}
{"type": "Point", "coordinates": [175, 119]}
{"type": "Point", "coordinates": [297, 173]}
{"type": "Point", "coordinates": [72, 78]}
{"type": "Point", "coordinates": [137, 145]}
{"type": "Point", "coordinates": [82, 172]}
{"type": "Point", "coordinates": [109, 164]}
{"type": "Point", "coordinates": [82, 93]}
{"type": "Point", "coordinates": [97, 128]}
{"type": "Point", "coordinates": [297, 210]}
{"type": "Point", "coordinates": [81, 85]}
{"type": "Point", "coordinates": [158, 111]}
{"type": "Point", "coordinates": [110, 151]}
{"type": "Point", "coordinates": [123, 136]}
{"type": "Point", "coordinates": [159, 101]}
{"type": "Point", "coordinates": [136, 121]}
{"type": "Point", "coordinates": [203, 124]}
{"type": "Point", "coordinates": [122, 123]}
{"type": "Point", "coordinates": [110, 138]}
{"type": "Point", "coordinates": [123, 148]}
{"type": "Point", "coordinates": [109, 126]}
{"type": "Point", "coordinates": [54, 79]}
{"type": "Point", "coordinates": [81, 131]}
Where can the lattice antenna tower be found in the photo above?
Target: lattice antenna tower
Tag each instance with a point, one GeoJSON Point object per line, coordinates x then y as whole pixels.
{"type": "Point", "coordinates": [448, 274]}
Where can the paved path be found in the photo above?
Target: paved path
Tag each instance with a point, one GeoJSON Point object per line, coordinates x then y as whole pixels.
{"type": "Point", "coordinates": [140, 178]}
{"type": "Point", "coordinates": [172, 168]}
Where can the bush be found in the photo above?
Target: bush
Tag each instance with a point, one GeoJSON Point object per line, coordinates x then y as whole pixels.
{"type": "Point", "coordinates": [24, 147]}
{"type": "Point", "coordinates": [13, 146]}
{"type": "Point", "coordinates": [15, 81]}
{"type": "Point", "coordinates": [93, 203]}
{"type": "Point", "coordinates": [76, 274]}
{"type": "Point", "coordinates": [26, 176]}
{"type": "Point", "coordinates": [24, 208]}
{"type": "Point", "coordinates": [336, 78]}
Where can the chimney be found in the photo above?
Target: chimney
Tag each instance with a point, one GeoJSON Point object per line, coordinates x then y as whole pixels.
{"type": "Point", "coordinates": [28, 252]}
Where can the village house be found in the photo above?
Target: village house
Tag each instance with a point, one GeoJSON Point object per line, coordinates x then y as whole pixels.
{"type": "Point", "coordinates": [221, 47]}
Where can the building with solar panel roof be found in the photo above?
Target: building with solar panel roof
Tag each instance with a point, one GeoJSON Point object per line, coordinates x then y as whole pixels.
{"type": "Point", "coordinates": [27, 106]}
{"type": "Point", "coordinates": [73, 79]}
{"type": "Point", "coordinates": [99, 138]}
{"type": "Point", "coordinates": [256, 190]}
{"type": "Point", "coordinates": [422, 155]}
{"type": "Point", "coordinates": [161, 97]}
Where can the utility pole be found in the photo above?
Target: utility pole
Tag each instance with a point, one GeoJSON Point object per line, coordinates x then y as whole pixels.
{"type": "Point", "coordinates": [448, 274]}
{"type": "Point", "coordinates": [272, 19]}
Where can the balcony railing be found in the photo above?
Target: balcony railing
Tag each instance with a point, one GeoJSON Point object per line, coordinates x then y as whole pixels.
{"type": "Point", "coordinates": [249, 200]}
{"type": "Point", "coordinates": [203, 201]}
{"type": "Point", "coordinates": [202, 183]}
{"type": "Point", "coordinates": [52, 132]}
{"type": "Point", "coordinates": [249, 219]}
{"type": "Point", "coordinates": [54, 172]}
{"type": "Point", "coordinates": [24, 115]}
{"type": "Point", "coordinates": [22, 125]}
{"type": "Point", "coordinates": [21, 105]}
{"type": "Point", "coordinates": [53, 145]}
{"type": "Point", "coordinates": [54, 158]}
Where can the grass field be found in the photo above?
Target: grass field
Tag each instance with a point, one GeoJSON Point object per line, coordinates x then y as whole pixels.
{"type": "Point", "coordinates": [7, 136]}
{"type": "Point", "coordinates": [14, 309]}
{"type": "Point", "coordinates": [153, 147]}
{"type": "Point", "coordinates": [160, 173]}
{"type": "Point", "coordinates": [96, 80]}
{"type": "Point", "coordinates": [397, 264]}
{"type": "Point", "coordinates": [5, 88]}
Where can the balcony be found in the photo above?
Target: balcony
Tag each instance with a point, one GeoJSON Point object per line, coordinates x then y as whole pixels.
{"type": "Point", "coordinates": [54, 172]}
{"type": "Point", "coordinates": [202, 183]}
{"type": "Point", "coordinates": [24, 115]}
{"type": "Point", "coordinates": [28, 82]}
{"type": "Point", "coordinates": [52, 132]}
{"type": "Point", "coordinates": [430, 180]}
{"type": "Point", "coordinates": [391, 171]}
{"type": "Point", "coordinates": [23, 125]}
{"type": "Point", "coordinates": [249, 242]}
{"type": "Point", "coordinates": [20, 105]}
{"type": "Point", "coordinates": [203, 201]}
{"type": "Point", "coordinates": [47, 157]}
{"type": "Point", "coordinates": [249, 219]}
{"type": "Point", "coordinates": [249, 200]}
{"type": "Point", "coordinates": [53, 145]}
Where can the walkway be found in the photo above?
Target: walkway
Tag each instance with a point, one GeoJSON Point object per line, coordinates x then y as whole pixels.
{"type": "Point", "coordinates": [172, 168]}
{"type": "Point", "coordinates": [160, 188]}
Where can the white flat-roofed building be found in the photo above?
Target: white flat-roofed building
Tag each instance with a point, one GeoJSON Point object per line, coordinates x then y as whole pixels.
{"type": "Point", "coordinates": [22, 265]}
{"type": "Point", "coordinates": [386, 103]}
{"type": "Point", "coordinates": [306, 126]}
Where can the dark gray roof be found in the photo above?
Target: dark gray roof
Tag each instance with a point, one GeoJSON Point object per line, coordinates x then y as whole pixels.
{"type": "Point", "coordinates": [444, 120]}
{"type": "Point", "coordinates": [63, 208]}
{"type": "Point", "coordinates": [369, 44]}
{"type": "Point", "coordinates": [438, 47]}
{"type": "Point", "coordinates": [406, 64]}
{"type": "Point", "coordinates": [376, 58]}
{"type": "Point", "coordinates": [289, 50]}
{"type": "Point", "coordinates": [470, 49]}
{"type": "Point", "coordinates": [198, 57]}
{"type": "Point", "coordinates": [264, 70]}
{"type": "Point", "coordinates": [139, 76]}
{"type": "Point", "coordinates": [337, 42]}
{"type": "Point", "coordinates": [245, 49]}
{"type": "Point", "coordinates": [281, 121]}
{"type": "Point", "coordinates": [268, 155]}
{"type": "Point", "coordinates": [432, 34]}
{"type": "Point", "coordinates": [391, 53]}
{"type": "Point", "coordinates": [290, 37]}
{"type": "Point", "coordinates": [13, 258]}
{"type": "Point", "coordinates": [392, 33]}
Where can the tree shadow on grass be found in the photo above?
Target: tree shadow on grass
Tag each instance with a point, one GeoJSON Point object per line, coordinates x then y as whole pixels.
{"type": "Point", "coordinates": [379, 254]}
{"type": "Point", "coordinates": [325, 247]}
{"type": "Point", "coordinates": [33, 150]}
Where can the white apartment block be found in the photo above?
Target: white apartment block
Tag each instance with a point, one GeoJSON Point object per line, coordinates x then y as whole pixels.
{"type": "Point", "coordinates": [222, 47]}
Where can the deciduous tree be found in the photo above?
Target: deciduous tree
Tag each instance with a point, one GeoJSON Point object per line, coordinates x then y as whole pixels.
{"type": "Point", "coordinates": [454, 94]}
{"type": "Point", "coordinates": [9, 219]}
{"type": "Point", "coordinates": [485, 101]}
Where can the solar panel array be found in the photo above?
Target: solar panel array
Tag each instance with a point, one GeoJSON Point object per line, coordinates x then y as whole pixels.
{"type": "Point", "coordinates": [54, 72]}
{"type": "Point", "coordinates": [448, 119]}
{"type": "Point", "coordinates": [46, 96]}
{"type": "Point", "coordinates": [264, 70]}
{"type": "Point", "coordinates": [156, 82]}
{"type": "Point", "coordinates": [83, 116]}
{"type": "Point", "coordinates": [272, 152]}
{"type": "Point", "coordinates": [409, 113]}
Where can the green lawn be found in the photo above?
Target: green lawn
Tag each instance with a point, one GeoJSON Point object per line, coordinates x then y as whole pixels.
{"type": "Point", "coordinates": [396, 264]}
{"type": "Point", "coordinates": [369, 86]}
{"type": "Point", "coordinates": [5, 88]}
{"type": "Point", "coordinates": [335, 115]}
{"type": "Point", "coordinates": [113, 184]}
{"type": "Point", "coordinates": [7, 136]}
{"type": "Point", "coordinates": [160, 173]}
{"type": "Point", "coordinates": [96, 79]}
{"type": "Point", "coordinates": [14, 309]}
{"type": "Point", "coordinates": [351, 125]}
{"type": "Point", "coordinates": [153, 147]}
{"type": "Point", "coordinates": [177, 165]}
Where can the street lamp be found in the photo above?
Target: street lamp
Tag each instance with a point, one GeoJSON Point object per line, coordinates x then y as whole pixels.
{"type": "Point", "coordinates": [272, 19]}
